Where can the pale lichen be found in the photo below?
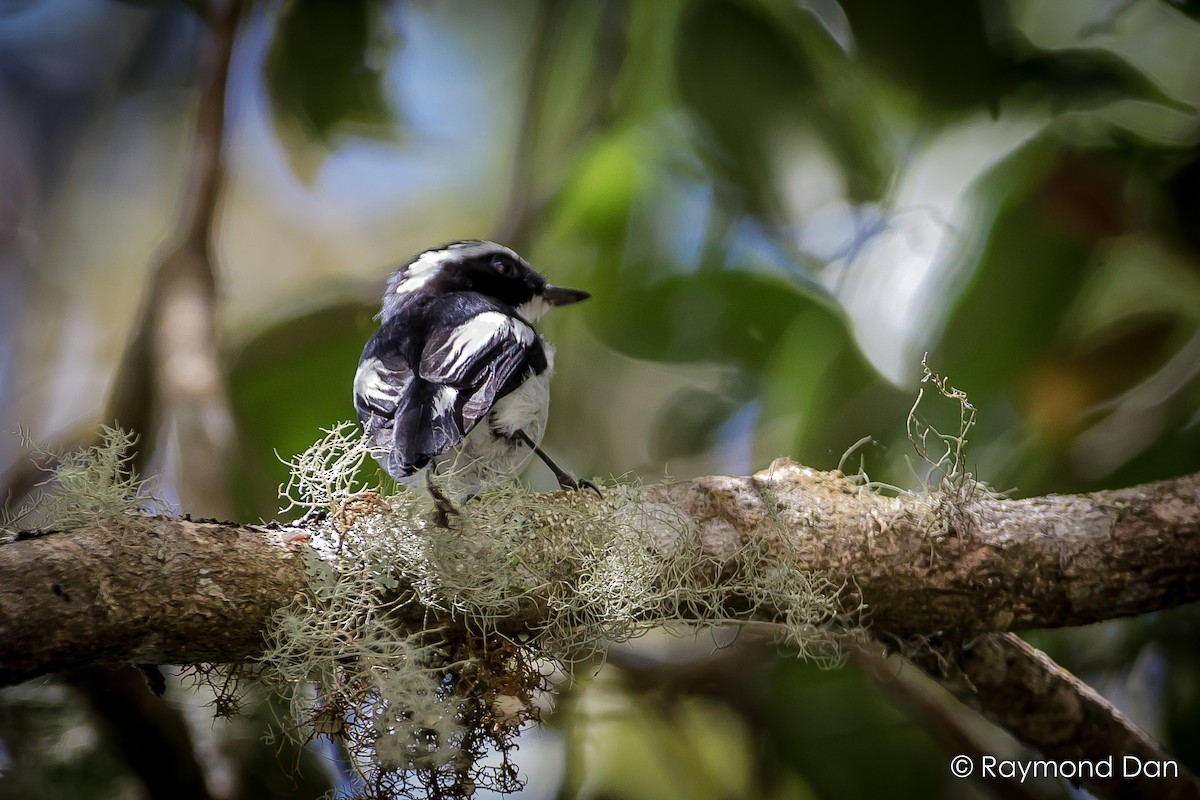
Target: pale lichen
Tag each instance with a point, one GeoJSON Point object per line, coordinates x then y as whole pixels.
{"type": "Point", "coordinates": [86, 486]}
{"type": "Point", "coordinates": [951, 489]}
{"type": "Point", "coordinates": [410, 630]}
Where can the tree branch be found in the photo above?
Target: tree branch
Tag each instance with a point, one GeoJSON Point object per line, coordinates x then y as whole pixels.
{"type": "Point", "coordinates": [1045, 562]}
{"type": "Point", "coordinates": [179, 591]}
{"type": "Point", "coordinates": [155, 591]}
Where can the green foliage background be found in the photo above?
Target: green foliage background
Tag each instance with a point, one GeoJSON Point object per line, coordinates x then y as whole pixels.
{"type": "Point", "coordinates": [778, 207]}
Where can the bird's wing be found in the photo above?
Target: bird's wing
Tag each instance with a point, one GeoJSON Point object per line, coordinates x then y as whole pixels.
{"type": "Point", "coordinates": [382, 380]}
{"type": "Point", "coordinates": [386, 390]}
{"type": "Point", "coordinates": [407, 420]}
{"type": "Point", "coordinates": [475, 354]}
{"type": "Point", "coordinates": [481, 357]}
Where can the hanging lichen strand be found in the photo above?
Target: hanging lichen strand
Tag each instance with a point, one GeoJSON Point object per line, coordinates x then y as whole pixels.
{"type": "Point", "coordinates": [428, 647]}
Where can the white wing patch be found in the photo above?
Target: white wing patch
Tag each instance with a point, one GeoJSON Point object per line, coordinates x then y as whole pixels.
{"type": "Point", "coordinates": [473, 338]}
{"type": "Point", "coordinates": [379, 385]}
{"type": "Point", "coordinates": [444, 400]}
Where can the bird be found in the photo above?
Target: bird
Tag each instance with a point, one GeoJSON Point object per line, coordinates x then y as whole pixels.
{"type": "Point", "coordinates": [455, 383]}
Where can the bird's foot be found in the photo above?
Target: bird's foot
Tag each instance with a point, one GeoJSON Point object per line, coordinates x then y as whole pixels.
{"type": "Point", "coordinates": [443, 506]}
{"type": "Point", "coordinates": [565, 481]}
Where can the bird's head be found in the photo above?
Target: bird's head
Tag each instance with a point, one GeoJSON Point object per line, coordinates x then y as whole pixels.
{"type": "Point", "coordinates": [477, 266]}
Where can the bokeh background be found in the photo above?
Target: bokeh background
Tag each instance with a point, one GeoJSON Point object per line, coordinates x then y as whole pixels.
{"type": "Point", "coordinates": [778, 205]}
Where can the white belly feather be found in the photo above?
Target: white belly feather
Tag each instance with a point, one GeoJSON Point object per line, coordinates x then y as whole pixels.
{"type": "Point", "coordinates": [490, 455]}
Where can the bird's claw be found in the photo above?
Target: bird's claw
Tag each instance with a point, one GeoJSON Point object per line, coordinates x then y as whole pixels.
{"type": "Point", "coordinates": [443, 506]}
{"type": "Point", "coordinates": [577, 484]}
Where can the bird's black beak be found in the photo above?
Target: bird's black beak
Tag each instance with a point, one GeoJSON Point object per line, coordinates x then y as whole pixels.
{"type": "Point", "coordinates": [558, 296]}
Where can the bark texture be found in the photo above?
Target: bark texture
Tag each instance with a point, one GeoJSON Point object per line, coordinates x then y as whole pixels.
{"type": "Point", "coordinates": [926, 565]}
{"type": "Point", "coordinates": [156, 590]}
{"type": "Point", "coordinates": [151, 591]}
{"type": "Point", "coordinates": [177, 591]}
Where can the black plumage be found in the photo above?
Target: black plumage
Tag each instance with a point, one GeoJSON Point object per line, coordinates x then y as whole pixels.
{"type": "Point", "coordinates": [456, 375]}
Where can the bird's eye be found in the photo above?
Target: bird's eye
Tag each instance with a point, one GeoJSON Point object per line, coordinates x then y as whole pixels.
{"type": "Point", "coordinates": [504, 267]}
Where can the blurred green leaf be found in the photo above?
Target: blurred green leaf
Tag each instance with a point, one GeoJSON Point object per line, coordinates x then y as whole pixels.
{"type": "Point", "coordinates": [1183, 193]}
{"type": "Point", "coordinates": [817, 715]}
{"type": "Point", "coordinates": [752, 78]}
{"type": "Point", "coordinates": [287, 384]}
{"type": "Point", "coordinates": [1109, 17]}
{"type": "Point", "coordinates": [195, 5]}
{"type": "Point", "coordinates": [639, 746]}
{"type": "Point", "coordinates": [1085, 78]}
{"type": "Point", "coordinates": [601, 187]}
{"type": "Point", "coordinates": [1068, 319]}
{"type": "Point", "coordinates": [580, 56]}
{"type": "Point", "coordinates": [1056, 207]}
{"type": "Point", "coordinates": [1133, 338]}
{"type": "Point", "coordinates": [322, 72]}
{"type": "Point", "coordinates": [962, 55]}
{"type": "Point", "coordinates": [938, 49]}
{"type": "Point", "coordinates": [792, 351]}
{"type": "Point", "coordinates": [744, 80]}
{"type": "Point", "coordinates": [727, 317]}
{"type": "Point", "coordinates": [820, 395]}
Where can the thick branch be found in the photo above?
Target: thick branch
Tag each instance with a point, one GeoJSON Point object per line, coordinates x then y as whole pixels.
{"type": "Point", "coordinates": [923, 566]}
{"type": "Point", "coordinates": [177, 591]}
{"type": "Point", "coordinates": [172, 591]}
{"type": "Point", "coordinates": [156, 591]}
